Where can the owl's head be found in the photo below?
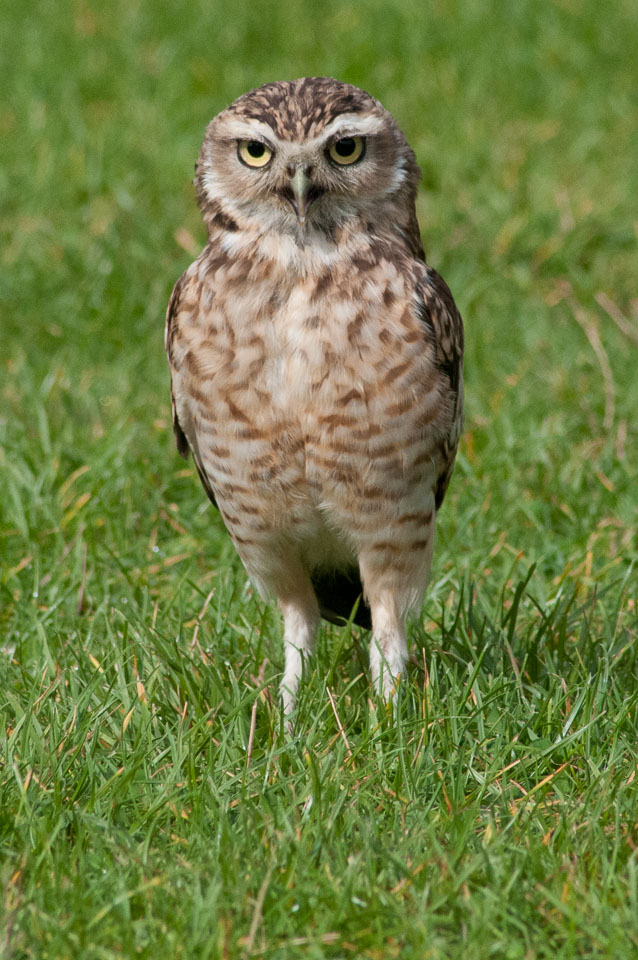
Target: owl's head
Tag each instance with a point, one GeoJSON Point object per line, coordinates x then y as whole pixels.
{"type": "Point", "coordinates": [305, 156]}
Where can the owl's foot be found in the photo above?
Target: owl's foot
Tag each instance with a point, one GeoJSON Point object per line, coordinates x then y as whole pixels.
{"type": "Point", "coordinates": [288, 694]}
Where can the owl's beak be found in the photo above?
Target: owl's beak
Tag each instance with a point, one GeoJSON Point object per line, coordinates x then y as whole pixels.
{"type": "Point", "coordinates": [301, 192]}
{"type": "Point", "coordinates": [301, 198]}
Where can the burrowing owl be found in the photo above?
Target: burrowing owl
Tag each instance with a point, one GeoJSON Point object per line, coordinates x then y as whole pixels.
{"type": "Point", "coordinates": [316, 362]}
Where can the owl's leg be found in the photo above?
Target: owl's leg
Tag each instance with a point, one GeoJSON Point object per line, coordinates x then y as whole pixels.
{"type": "Point", "coordinates": [388, 647]}
{"type": "Point", "coordinates": [277, 571]}
{"type": "Point", "coordinates": [301, 618]}
{"type": "Point", "coordinates": [394, 584]}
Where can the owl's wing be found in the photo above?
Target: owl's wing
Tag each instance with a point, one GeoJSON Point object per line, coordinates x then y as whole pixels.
{"type": "Point", "coordinates": [413, 237]}
{"type": "Point", "coordinates": [169, 337]}
{"type": "Point", "coordinates": [443, 327]}
{"type": "Point", "coordinates": [184, 445]}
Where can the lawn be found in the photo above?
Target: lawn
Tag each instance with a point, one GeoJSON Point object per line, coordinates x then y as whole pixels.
{"type": "Point", "coordinates": [151, 804]}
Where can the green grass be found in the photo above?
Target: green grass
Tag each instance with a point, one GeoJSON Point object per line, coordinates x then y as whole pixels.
{"type": "Point", "coordinates": [493, 811]}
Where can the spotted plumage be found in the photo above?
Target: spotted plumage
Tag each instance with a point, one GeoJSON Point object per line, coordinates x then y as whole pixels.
{"type": "Point", "coordinates": [316, 362]}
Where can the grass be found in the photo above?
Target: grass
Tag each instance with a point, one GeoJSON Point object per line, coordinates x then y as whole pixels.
{"type": "Point", "coordinates": [150, 803]}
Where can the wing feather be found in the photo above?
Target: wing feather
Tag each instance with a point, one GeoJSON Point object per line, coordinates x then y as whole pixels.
{"type": "Point", "coordinates": [443, 325]}
{"type": "Point", "coordinates": [184, 446]}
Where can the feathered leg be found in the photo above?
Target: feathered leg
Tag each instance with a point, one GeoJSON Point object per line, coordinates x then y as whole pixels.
{"type": "Point", "coordinates": [394, 584]}
{"type": "Point", "coordinates": [301, 618]}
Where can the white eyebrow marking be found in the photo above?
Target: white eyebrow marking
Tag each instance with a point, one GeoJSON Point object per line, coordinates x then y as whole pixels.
{"type": "Point", "coordinates": [350, 124]}
{"type": "Point", "coordinates": [251, 130]}
{"type": "Point", "coordinates": [345, 125]}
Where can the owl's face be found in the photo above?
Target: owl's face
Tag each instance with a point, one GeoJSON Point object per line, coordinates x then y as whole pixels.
{"type": "Point", "coordinates": [305, 156]}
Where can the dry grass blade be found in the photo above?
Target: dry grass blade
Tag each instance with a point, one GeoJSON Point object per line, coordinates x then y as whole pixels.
{"type": "Point", "coordinates": [590, 328]}
{"type": "Point", "coordinates": [614, 312]}
{"type": "Point", "coordinates": [253, 715]}
{"type": "Point", "coordinates": [339, 724]}
{"type": "Point", "coordinates": [200, 617]}
{"type": "Point", "coordinates": [257, 911]}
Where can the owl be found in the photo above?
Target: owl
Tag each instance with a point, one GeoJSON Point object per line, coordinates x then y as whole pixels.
{"type": "Point", "coordinates": [316, 363]}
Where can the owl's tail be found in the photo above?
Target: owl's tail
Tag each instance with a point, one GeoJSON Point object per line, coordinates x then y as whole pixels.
{"type": "Point", "coordinates": [337, 592]}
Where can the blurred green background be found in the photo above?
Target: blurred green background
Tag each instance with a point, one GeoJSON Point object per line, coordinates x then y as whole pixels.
{"type": "Point", "coordinates": [523, 117]}
{"type": "Point", "coordinates": [134, 820]}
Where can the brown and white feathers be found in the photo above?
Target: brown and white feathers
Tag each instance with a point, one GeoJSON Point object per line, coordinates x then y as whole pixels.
{"type": "Point", "coordinates": [316, 362]}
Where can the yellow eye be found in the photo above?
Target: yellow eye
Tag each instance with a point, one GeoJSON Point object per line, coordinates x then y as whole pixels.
{"type": "Point", "coordinates": [347, 150]}
{"type": "Point", "coordinates": [253, 153]}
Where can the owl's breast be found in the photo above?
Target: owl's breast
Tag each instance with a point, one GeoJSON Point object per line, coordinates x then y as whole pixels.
{"type": "Point", "coordinates": [316, 392]}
